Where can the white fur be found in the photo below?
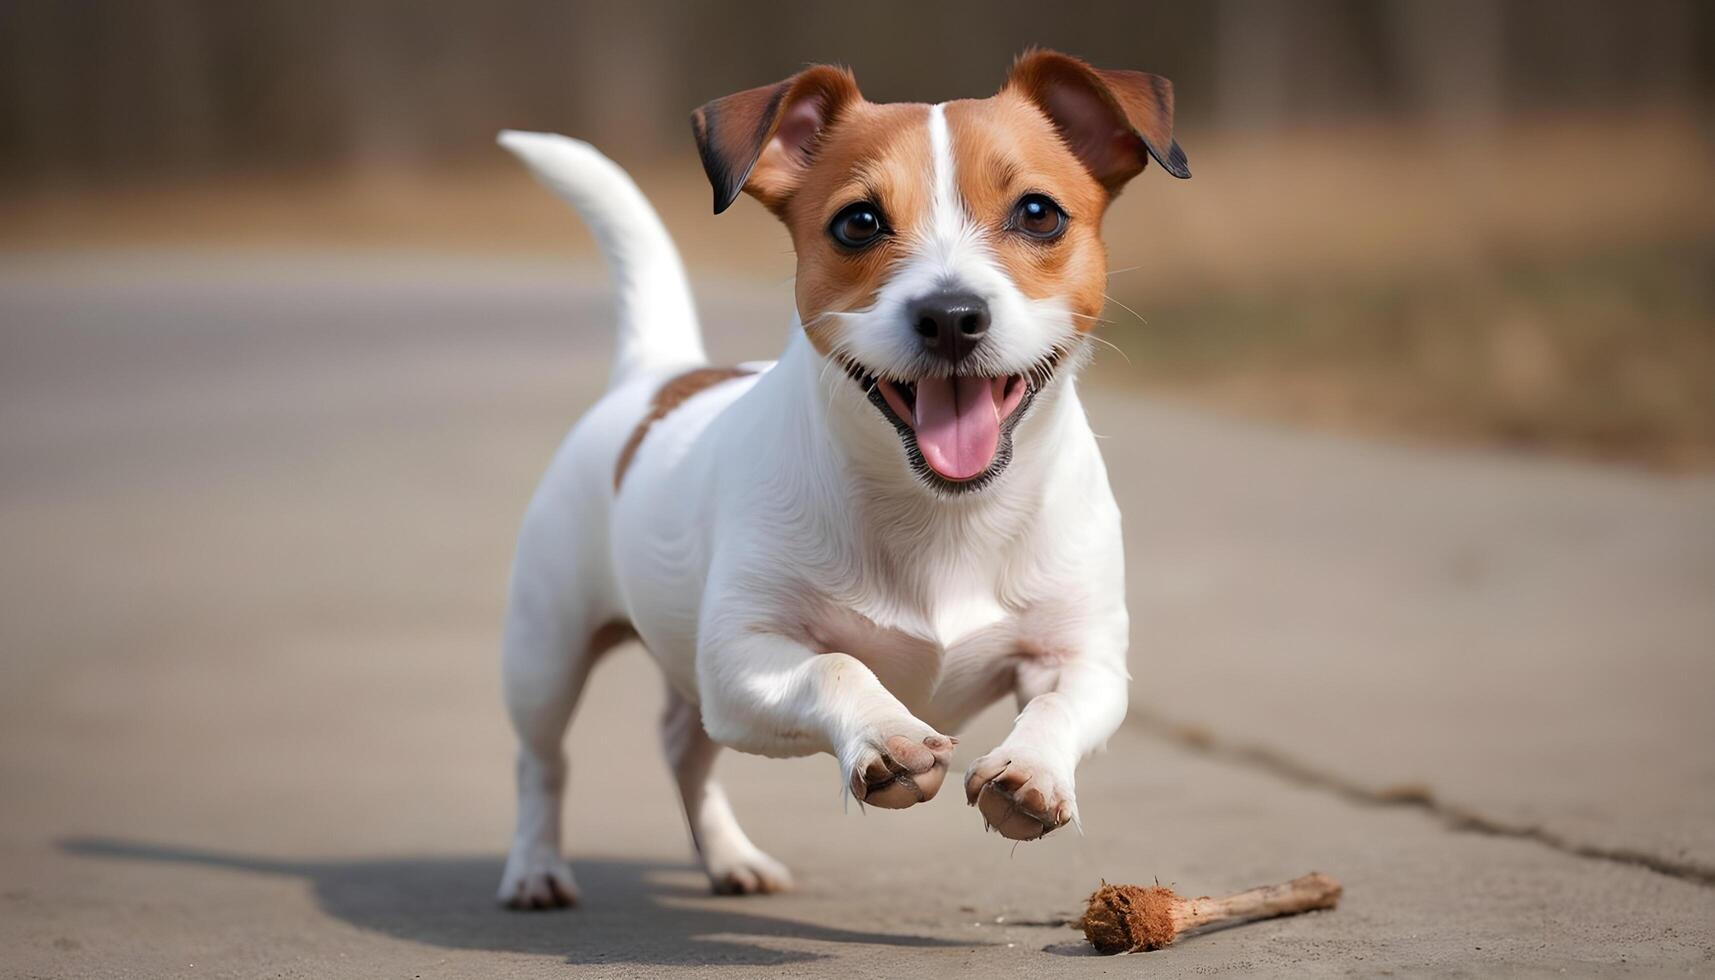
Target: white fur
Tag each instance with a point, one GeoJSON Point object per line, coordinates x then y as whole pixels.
{"type": "Point", "coordinates": [797, 584]}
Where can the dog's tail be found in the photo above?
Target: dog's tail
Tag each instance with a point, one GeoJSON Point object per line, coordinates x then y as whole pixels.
{"type": "Point", "coordinates": [658, 328]}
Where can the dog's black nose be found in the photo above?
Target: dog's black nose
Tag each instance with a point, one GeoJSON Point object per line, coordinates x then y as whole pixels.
{"type": "Point", "coordinates": [951, 324]}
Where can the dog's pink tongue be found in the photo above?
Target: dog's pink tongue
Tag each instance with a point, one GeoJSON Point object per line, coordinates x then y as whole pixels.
{"type": "Point", "coordinates": [957, 424]}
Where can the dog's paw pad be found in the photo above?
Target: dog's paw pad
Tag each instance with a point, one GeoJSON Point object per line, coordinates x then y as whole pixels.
{"type": "Point", "coordinates": [903, 771]}
{"type": "Point", "coordinates": [1019, 797]}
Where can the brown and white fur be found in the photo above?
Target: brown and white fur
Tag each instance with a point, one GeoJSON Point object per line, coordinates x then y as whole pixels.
{"type": "Point", "coordinates": [856, 548]}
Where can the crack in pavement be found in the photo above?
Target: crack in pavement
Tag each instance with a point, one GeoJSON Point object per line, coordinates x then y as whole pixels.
{"type": "Point", "coordinates": [1417, 796]}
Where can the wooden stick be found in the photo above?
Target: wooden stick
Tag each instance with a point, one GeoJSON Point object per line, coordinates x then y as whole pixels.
{"type": "Point", "coordinates": [1130, 919]}
{"type": "Point", "coordinates": [1306, 894]}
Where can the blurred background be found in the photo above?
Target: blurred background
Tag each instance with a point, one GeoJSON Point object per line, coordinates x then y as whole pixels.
{"type": "Point", "coordinates": [1472, 220]}
{"type": "Point", "coordinates": [1408, 399]}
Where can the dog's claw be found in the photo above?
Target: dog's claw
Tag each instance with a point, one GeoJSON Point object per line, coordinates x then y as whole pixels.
{"type": "Point", "coordinates": [1017, 797]}
{"type": "Point", "coordinates": [757, 874]}
{"type": "Point", "coordinates": [536, 882]}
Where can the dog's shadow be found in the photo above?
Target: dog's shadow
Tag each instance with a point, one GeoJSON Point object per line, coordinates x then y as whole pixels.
{"type": "Point", "coordinates": [635, 911]}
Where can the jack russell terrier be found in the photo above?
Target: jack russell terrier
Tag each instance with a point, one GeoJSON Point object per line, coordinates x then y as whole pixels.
{"type": "Point", "coordinates": [856, 548]}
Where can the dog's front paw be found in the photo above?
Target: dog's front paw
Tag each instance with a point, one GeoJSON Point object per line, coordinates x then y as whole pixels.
{"type": "Point", "coordinates": [1020, 794]}
{"type": "Point", "coordinates": [897, 771]}
{"type": "Point", "coordinates": [534, 880]}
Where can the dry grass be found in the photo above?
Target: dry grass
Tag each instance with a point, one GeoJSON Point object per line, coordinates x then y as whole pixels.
{"type": "Point", "coordinates": [1605, 352]}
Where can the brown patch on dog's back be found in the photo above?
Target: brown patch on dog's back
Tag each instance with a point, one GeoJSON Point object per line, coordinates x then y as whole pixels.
{"type": "Point", "coordinates": [1004, 148]}
{"type": "Point", "coordinates": [678, 390]}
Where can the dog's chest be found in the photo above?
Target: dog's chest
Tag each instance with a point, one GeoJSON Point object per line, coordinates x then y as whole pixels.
{"type": "Point", "coordinates": [914, 660]}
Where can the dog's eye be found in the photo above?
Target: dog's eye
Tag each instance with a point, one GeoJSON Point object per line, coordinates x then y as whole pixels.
{"type": "Point", "coordinates": [857, 225]}
{"type": "Point", "coordinates": [1038, 216]}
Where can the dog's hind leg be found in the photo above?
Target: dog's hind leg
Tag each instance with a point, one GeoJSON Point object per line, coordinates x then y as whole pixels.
{"type": "Point", "coordinates": [735, 866]}
{"type": "Point", "coordinates": [557, 627]}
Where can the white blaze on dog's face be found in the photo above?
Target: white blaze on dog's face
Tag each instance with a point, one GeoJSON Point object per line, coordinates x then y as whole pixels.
{"type": "Point", "coordinates": [949, 256]}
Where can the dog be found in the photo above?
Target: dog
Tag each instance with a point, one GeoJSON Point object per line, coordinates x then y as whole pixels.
{"type": "Point", "coordinates": [854, 549]}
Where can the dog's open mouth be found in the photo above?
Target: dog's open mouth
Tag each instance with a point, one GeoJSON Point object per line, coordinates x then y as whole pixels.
{"type": "Point", "coordinates": [957, 430]}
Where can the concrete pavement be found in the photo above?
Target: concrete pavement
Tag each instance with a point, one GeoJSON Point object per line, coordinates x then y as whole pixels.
{"type": "Point", "coordinates": [257, 513]}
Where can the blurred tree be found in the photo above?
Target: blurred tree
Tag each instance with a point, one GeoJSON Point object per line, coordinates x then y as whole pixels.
{"type": "Point", "coordinates": [131, 88]}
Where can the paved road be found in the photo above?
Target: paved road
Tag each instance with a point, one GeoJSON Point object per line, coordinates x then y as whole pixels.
{"type": "Point", "coordinates": [256, 515]}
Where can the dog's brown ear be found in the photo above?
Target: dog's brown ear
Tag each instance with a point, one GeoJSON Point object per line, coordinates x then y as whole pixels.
{"type": "Point", "coordinates": [761, 140]}
{"type": "Point", "coordinates": [1114, 121]}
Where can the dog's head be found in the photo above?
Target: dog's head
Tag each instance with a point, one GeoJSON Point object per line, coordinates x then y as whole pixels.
{"type": "Point", "coordinates": [950, 259]}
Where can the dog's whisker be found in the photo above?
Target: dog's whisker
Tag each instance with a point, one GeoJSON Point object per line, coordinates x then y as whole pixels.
{"type": "Point", "coordinates": [818, 318]}
{"type": "Point", "coordinates": [1128, 309]}
{"type": "Point", "coordinates": [1095, 319]}
{"type": "Point", "coordinates": [834, 356]}
{"type": "Point", "coordinates": [1116, 348]}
